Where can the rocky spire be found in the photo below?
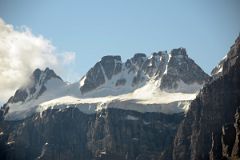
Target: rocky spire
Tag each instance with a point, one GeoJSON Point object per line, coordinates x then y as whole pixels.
{"type": "Point", "coordinates": [35, 87]}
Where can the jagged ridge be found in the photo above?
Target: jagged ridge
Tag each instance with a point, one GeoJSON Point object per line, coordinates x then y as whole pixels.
{"type": "Point", "coordinates": [168, 69]}
{"type": "Point", "coordinates": [162, 74]}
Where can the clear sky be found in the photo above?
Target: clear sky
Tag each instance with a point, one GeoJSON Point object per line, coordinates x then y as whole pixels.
{"type": "Point", "coordinates": [92, 29]}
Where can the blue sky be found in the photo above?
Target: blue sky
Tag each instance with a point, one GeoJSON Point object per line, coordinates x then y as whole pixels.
{"type": "Point", "coordinates": [92, 29]}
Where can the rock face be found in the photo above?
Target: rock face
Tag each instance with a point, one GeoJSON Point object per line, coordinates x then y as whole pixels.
{"type": "Point", "coordinates": [182, 68]}
{"type": "Point", "coordinates": [169, 69]}
{"type": "Point", "coordinates": [236, 147]}
{"type": "Point", "coordinates": [160, 73]}
{"type": "Point", "coordinates": [35, 87]}
{"type": "Point", "coordinates": [109, 134]}
{"type": "Point", "coordinates": [101, 72]}
{"type": "Point", "coordinates": [210, 129]}
{"type": "Point", "coordinates": [129, 130]}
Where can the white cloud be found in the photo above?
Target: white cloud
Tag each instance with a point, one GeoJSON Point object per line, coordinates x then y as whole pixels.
{"type": "Point", "coordinates": [21, 53]}
{"type": "Point", "coordinates": [68, 57]}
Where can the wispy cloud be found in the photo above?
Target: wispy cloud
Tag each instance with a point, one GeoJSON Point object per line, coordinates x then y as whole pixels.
{"type": "Point", "coordinates": [69, 57]}
{"type": "Point", "coordinates": [21, 52]}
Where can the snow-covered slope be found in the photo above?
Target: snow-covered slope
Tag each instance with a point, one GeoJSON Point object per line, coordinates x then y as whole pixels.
{"type": "Point", "coordinates": [145, 99]}
{"type": "Point", "coordinates": [164, 82]}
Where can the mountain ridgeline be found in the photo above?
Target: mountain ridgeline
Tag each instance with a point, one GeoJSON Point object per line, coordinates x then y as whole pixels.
{"type": "Point", "coordinates": [172, 75]}
{"type": "Point", "coordinates": [161, 107]}
{"type": "Point", "coordinates": [169, 68]}
{"type": "Point", "coordinates": [36, 86]}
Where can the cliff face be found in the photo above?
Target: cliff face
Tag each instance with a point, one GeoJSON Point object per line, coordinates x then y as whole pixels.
{"type": "Point", "coordinates": [118, 110]}
{"type": "Point", "coordinates": [210, 129]}
{"type": "Point", "coordinates": [71, 134]}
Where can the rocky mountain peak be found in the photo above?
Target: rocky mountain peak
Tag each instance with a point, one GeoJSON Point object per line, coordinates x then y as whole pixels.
{"type": "Point", "coordinates": [43, 75]}
{"type": "Point", "coordinates": [136, 61]}
{"type": "Point", "coordinates": [35, 87]}
{"type": "Point", "coordinates": [139, 57]}
{"type": "Point", "coordinates": [111, 65]}
{"type": "Point", "coordinates": [160, 53]}
{"type": "Point", "coordinates": [36, 74]}
{"type": "Point", "coordinates": [169, 69]}
{"type": "Point", "coordinates": [110, 58]}
{"type": "Point", "coordinates": [101, 72]}
{"type": "Point", "coordinates": [179, 52]}
{"type": "Point", "coordinates": [182, 70]}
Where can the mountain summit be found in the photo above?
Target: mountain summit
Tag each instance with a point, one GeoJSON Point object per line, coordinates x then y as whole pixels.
{"type": "Point", "coordinates": [43, 85]}
{"type": "Point", "coordinates": [173, 71]}
{"type": "Point", "coordinates": [169, 79]}
{"type": "Point", "coordinates": [36, 86]}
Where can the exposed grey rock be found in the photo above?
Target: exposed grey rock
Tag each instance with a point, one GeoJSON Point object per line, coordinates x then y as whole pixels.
{"type": "Point", "coordinates": [181, 67]}
{"type": "Point", "coordinates": [94, 78]}
{"type": "Point", "coordinates": [109, 134]}
{"type": "Point", "coordinates": [176, 65]}
{"type": "Point", "coordinates": [37, 80]}
{"type": "Point", "coordinates": [236, 147]}
{"type": "Point", "coordinates": [156, 65]}
{"type": "Point", "coordinates": [138, 59]}
{"type": "Point", "coordinates": [228, 139]}
{"type": "Point", "coordinates": [207, 131]}
{"type": "Point", "coordinates": [120, 82]}
{"type": "Point", "coordinates": [109, 66]}
{"type": "Point", "coordinates": [225, 65]}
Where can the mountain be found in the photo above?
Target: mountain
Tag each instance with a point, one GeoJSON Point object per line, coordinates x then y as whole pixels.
{"type": "Point", "coordinates": [171, 71]}
{"type": "Point", "coordinates": [37, 85]}
{"type": "Point", "coordinates": [43, 85]}
{"type": "Point", "coordinates": [210, 129]}
{"type": "Point", "coordinates": [164, 82]}
{"type": "Point", "coordinates": [118, 110]}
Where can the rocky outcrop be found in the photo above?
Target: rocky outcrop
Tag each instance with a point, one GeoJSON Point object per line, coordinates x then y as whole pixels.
{"type": "Point", "coordinates": [228, 138]}
{"type": "Point", "coordinates": [236, 147]}
{"type": "Point", "coordinates": [108, 134]}
{"type": "Point", "coordinates": [168, 69]}
{"type": "Point", "coordinates": [207, 131]}
{"type": "Point", "coordinates": [101, 72]}
{"type": "Point", "coordinates": [156, 64]}
{"type": "Point", "coordinates": [36, 85]}
{"type": "Point", "coordinates": [182, 68]}
{"type": "Point", "coordinates": [35, 88]}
